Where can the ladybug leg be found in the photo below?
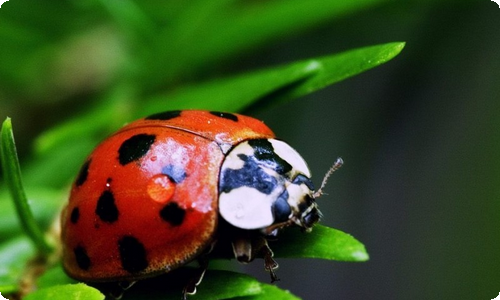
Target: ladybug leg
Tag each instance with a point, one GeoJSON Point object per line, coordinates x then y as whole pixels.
{"type": "Point", "coordinates": [190, 288]}
{"type": "Point", "coordinates": [119, 289]}
{"type": "Point", "coordinates": [247, 247]}
{"type": "Point", "coordinates": [269, 263]}
{"type": "Point", "coordinates": [242, 249]}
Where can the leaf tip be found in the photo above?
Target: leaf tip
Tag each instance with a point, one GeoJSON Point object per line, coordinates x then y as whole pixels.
{"type": "Point", "coordinates": [360, 255]}
{"type": "Point", "coordinates": [7, 124]}
{"type": "Point", "coordinates": [392, 50]}
{"type": "Point", "coordinates": [399, 46]}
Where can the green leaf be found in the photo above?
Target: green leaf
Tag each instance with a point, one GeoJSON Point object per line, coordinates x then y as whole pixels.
{"type": "Point", "coordinates": [219, 284]}
{"type": "Point", "coordinates": [54, 276]}
{"type": "Point", "coordinates": [275, 84]}
{"type": "Point", "coordinates": [13, 257]}
{"type": "Point", "coordinates": [12, 175]}
{"type": "Point", "coordinates": [238, 26]}
{"type": "Point", "coordinates": [216, 284]}
{"type": "Point", "coordinates": [65, 292]}
{"type": "Point", "coordinates": [322, 242]}
{"type": "Point", "coordinates": [341, 66]}
{"type": "Point", "coordinates": [270, 292]}
{"type": "Point", "coordinates": [233, 94]}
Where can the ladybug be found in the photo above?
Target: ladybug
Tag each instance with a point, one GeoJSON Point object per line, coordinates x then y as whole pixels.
{"type": "Point", "coordinates": [161, 191]}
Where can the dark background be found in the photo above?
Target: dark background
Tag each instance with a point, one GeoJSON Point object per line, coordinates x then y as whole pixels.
{"type": "Point", "coordinates": [420, 140]}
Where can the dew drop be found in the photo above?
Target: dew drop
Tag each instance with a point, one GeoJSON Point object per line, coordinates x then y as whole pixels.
{"type": "Point", "coordinates": [160, 188]}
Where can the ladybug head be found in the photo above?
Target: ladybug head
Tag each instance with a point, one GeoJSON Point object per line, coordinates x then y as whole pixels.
{"type": "Point", "coordinates": [308, 212]}
{"type": "Point", "coordinates": [265, 184]}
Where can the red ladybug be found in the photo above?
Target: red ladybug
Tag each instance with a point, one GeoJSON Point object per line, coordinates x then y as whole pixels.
{"type": "Point", "coordinates": [152, 197]}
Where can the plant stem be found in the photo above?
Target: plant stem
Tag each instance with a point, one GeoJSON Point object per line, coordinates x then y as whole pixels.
{"type": "Point", "coordinates": [12, 176]}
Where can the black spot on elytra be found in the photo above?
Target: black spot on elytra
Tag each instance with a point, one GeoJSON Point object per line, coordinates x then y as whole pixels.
{"type": "Point", "coordinates": [83, 174]}
{"type": "Point", "coordinates": [225, 115]}
{"type": "Point", "coordinates": [264, 152]}
{"type": "Point", "coordinates": [132, 254]}
{"type": "Point", "coordinates": [173, 214]}
{"type": "Point", "coordinates": [75, 215]}
{"type": "Point", "coordinates": [106, 208]}
{"type": "Point", "coordinates": [135, 147]}
{"type": "Point", "coordinates": [250, 175]}
{"type": "Point", "coordinates": [163, 116]}
{"type": "Point", "coordinates": [175, 173]}
{"type": "Point", "coordinates": [82, 259]}
{"type": "Point", "coordinates": [281, 208]}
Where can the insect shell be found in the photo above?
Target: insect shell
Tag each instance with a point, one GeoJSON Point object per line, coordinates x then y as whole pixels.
{"type": "Point", "coordinates": [148, 199]}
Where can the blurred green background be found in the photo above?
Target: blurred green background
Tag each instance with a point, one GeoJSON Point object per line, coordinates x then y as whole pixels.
{"type": "Point", "coordinates": [419, 135]}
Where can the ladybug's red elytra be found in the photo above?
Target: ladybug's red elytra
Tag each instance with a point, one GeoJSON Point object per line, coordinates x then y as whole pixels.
{"type": "Point", "coordinates": [153, 196]}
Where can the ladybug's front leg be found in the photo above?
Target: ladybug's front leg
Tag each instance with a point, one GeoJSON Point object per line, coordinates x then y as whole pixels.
{"type": "Point", "coordinates": [118, 289]}
{"type": "Point", "coordinates": [269, 263]}
{"type": "Point", "coordinates": [250, 246]}
{"type": "Point", "coordinates": [190, 288]}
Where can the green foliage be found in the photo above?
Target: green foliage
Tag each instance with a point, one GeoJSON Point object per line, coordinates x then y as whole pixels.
{"type": "Point", "coordinates": [14, 254]}
{"type": "Point", "coordinates": [12, 170]}
{"type": "Point", "coordinates": [236, 286]}
{"type": "Point", "coordinates": [65, 292]}
{"type": "Point", "coordinates": [141, 58]}
{"type": "Point", "coordinates": [322, 242]}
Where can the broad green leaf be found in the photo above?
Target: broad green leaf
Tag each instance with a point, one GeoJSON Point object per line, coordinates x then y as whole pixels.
{"type": "Point", "coordinates": [216, 284]}
{"type": "Point", "coordinates": [272, 86]}
{"type": "Point", "coordinates": [65, 292]}
{"type": "Point", "coordinates": [322, 242]}
{"type": "Point", "coordinates": [338, 67]}
{"type": "Point", "coordinates": [225, 284]}
{"type": "Point", "coordinates": [12, 175]}
{"type": "Point", "coordinates": [270, 292]}
{"type": "Point", "coordinates": [44, 202]}
{"type": "Point", "coordinates": [14, 254]}
{"type": "Point", "coordinates": [233, 94]}
{"type": "Point", "coordinates": [54, 276]}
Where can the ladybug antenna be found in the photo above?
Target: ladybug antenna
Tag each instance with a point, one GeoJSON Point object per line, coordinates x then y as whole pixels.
{"type": "Point", "coordinates": [334, 168]}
